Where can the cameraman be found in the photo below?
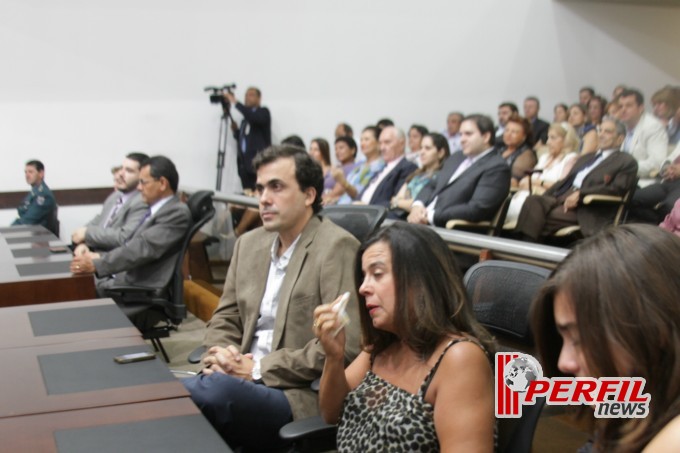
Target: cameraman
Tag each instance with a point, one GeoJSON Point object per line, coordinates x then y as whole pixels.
{"type": "Point", "coordinates": [253, 135]}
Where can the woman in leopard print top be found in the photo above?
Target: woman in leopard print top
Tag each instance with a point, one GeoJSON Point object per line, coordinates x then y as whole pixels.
{"type": "Point", "coordinates": [424, 379]}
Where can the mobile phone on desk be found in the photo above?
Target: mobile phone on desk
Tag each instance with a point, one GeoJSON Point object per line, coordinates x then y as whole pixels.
{"type": "Point", "coordinates": [134, 357]}
{"type": "Point", "coordinates": [59, 250]}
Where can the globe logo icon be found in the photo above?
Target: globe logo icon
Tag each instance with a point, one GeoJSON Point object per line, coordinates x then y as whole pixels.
{"type": "Point", "coordinates": [521, 371]}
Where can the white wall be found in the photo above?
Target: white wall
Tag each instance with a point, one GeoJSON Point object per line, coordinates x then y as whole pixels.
{"type": "Point", "coordinates": [83, 82]}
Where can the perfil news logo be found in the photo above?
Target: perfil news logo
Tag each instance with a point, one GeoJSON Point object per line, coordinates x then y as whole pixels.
{"type": "Point", "coordinates": [519, 381]}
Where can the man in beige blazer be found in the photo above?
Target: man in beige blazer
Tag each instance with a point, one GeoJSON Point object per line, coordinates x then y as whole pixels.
{"type": "Point", "coordinates": [262, 354]}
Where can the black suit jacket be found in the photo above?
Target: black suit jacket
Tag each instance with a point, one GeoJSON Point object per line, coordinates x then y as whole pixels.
{"type": "Point", "coordinates": [539, 130]}
{"type": "Point", "coordinates": [615, 175]}
{"type": "Point", "coordinates": [391, 184]}
{"type": "Point", "coordinates": [474, 196]}
{"type": "Point", "coordinates": [256, 129]}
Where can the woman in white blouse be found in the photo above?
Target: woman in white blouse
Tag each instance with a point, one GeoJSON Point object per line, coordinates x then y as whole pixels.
{"type": "Point", "coordinates": [563, 144]}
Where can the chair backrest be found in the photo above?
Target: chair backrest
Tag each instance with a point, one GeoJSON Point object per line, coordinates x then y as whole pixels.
{"type": "Point", "coordinates": [53, 221]}
{"type": "Point", "coordinates": [202, 210]}
{"type": "Point", "coordinates": [499, 219]}
{"type": "Point", "coordinates": [359, 220]}
{"type": "Point", "coordinates": [501, 293]}
{"type": "Point", "coordinates": [622, 211]}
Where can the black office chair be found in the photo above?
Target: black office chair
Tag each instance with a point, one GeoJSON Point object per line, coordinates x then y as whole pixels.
{"type": "Point", "coordinates": [501, 293]}
{"type": "Point", "coordinates": [491, 227]}
{"type": "Point", "coordinates": [360, 220]}
{"type": "Point", "coordinates": [615, 207]}
{"type": "Point", "coordinates": [164, 309]}
{"type": "Point", "coordinates": [53, 221]}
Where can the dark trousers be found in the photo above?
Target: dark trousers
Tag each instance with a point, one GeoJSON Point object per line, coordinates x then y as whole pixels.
{"type": "Point", "coordinates": [245, 414]}
{"type": "Point", "coordinates": [543, 215]}
{"type": "Point", "coordinates": [664, 194]}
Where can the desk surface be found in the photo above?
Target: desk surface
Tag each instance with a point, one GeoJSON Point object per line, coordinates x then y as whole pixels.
{"type": "Point", "coordinates": [30, 273]}
{"type": "Point", "coordinates": [145, 426]}
{"type": "Point", "coordinates": [63, 322]}
{"type": "Point", "coordinates": [52, 378]}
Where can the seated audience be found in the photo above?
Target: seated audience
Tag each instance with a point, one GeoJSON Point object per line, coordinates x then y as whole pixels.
{"type": "Point", "coordinates": [653, 202]}
{"type": "Point", "coordinates": [516, 148]}
{"type": "Point", "coordinates": [321, 153]}
{"type": "Point", "coordinates": [345, 153]}
{"type": "Point", "coordinates": [262, 355]}
{"type": "Point", "coordinates": [505, 111]}
{"type": "Point", "coordinates": [434, 151]}
{"type": "Point", "coordinates": [121, 213]}
{"type": "Point", "coordinates": [294, 140]}
{"type": "Point", "coordinates": [596, 109]}
{"type": "Point", "coordinates": [551, 167]}
{"type": "Point", "coordinates": [386, 183]}
{"type": "Point", "coordinates": [607, 172]}
{"type": "Point", "coordinates": [452, 131]}
{"type": "Point", "coordinates": [585, 94]}
{"type": "Point", "coordinates": [587, 132]}
{"type": "Point", "coordinates": [539, 128]}
{"type": "Point", "coordinates": [613, 108]}
{"type": "Point", "coordinates": [672, 221]}
{"type": "Point", "coordinates": [148, 257]}
{"type": "Point", "coordinates": [611, 309]}
{"type": "Point", "coordinates": [560, 113]}
{"type": "Point", "coordinates": [471, 185]}
{"type": "Point", "coordinates": [357, 179]}
{"type": "Point", "coordinates": [618, 89]}
{"type": "Point", "coordinates": [424, 379]}
{"type": "Point", "coordinates": [383, 123]}
{"type": "Point", "coordinates": [343, 130]}
{"type": "Point", "coordinates": [665, 105]}
{"type": "Point", "coordinates": [415, 137]}
{"type": "Point", "coordinates": [646, 138]}
{"type": "Point", "coordinates": [39, 205]}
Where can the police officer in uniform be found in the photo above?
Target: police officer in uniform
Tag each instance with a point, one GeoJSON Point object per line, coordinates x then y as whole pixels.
{"type": "Point", "coordinates": [38, 206]}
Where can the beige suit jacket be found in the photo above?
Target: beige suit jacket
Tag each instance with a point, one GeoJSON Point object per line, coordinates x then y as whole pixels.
{"type": "Point", "coordinates": [320, 269]}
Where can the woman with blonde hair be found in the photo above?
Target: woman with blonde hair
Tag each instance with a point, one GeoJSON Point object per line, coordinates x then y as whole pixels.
{"type": "Point", "coordinates": [551, 167]}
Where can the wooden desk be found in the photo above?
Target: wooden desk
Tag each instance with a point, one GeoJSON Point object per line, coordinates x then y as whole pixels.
{"type": "Point", "coordinates": [69, 376]}
{"type": "Point", "coordinates": [31, 274]}
{"type": "Point", "coordinates": [142, 425]}
{"type": "Point", "coordinates": [63, 322]}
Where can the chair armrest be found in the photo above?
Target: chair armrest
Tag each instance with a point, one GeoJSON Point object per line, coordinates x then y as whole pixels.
{"type": "Point", "coordinates": [596, 198]}
{"type": "Point", "coordinates": [312, 427]}
{"type": "Point", "coordinates": [457, 223]}
{"type": "Point", "coordinates": [131, 289]}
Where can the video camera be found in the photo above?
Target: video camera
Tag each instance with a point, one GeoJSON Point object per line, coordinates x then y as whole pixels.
{"type": "Point", "coordinates": [217, 93]}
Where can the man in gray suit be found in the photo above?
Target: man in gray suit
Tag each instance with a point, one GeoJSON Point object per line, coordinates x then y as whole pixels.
{"type": "Point", "coordinates": [148, 257]}
{"type": "Point", "coordinates": [607, 172]}
{"type": "Point", "coordinates": [471, 185]}
{"type": "Point", "coordinates": [121, 213]}
{"type": "Point", "coordinates": [262, 353]}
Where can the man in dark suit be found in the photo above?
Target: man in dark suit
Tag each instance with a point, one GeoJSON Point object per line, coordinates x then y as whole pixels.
{"type": "Point", "coordinates": [539, 128]}
{"type": "Point", "coordinates": [252, 135]}
{"type": "Point", "coordinates": [471, 185]}
{"type": "Point", "coordinates": [262, 353]}
{"type": "Point", "coordinates": [148, 257]}
{"type": "Point", "coordinates": [387, 183]}
{"type": "Point", "coordinates": [121, 213]}
{"type": "Point", "coordinates": [607, 172]}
